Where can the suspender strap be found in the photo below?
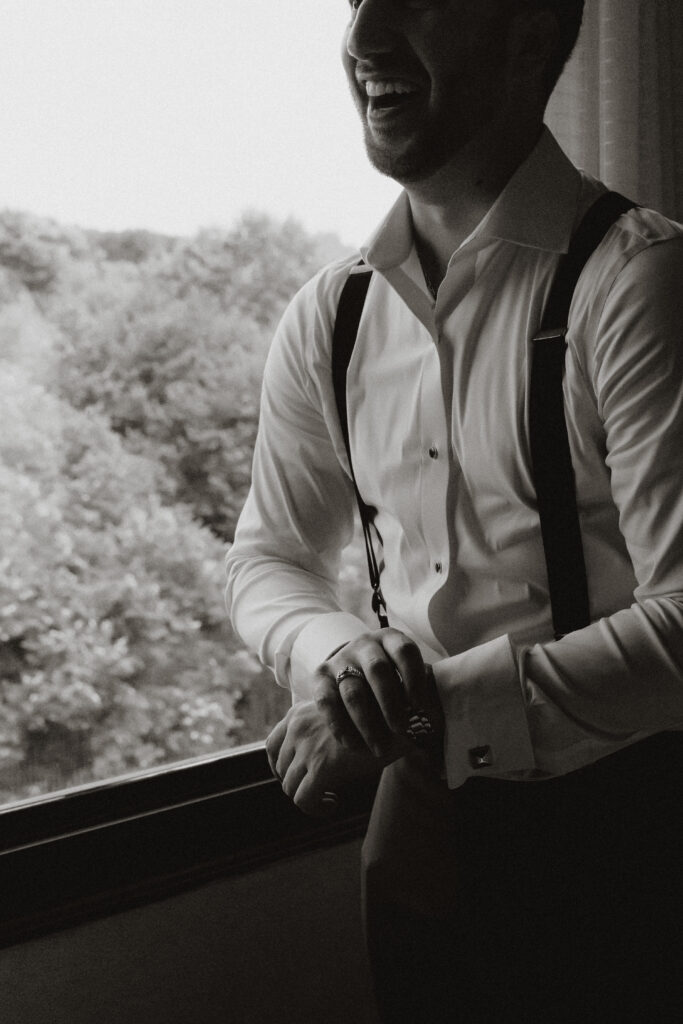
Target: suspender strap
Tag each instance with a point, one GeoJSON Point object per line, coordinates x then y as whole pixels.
{"type": "Point", "coordinates": [349, 312]}
{"type": "Point", "coordinates": [549, 442]}
{"type": "Point", "coordinates": [555, 489]}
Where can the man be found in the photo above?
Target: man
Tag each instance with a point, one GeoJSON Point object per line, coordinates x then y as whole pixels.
{"type": "Point", "coordinates": [523, 868]}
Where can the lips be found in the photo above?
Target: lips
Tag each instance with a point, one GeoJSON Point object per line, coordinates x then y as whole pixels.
{"type": "Point", "coordinates": [389, 96]}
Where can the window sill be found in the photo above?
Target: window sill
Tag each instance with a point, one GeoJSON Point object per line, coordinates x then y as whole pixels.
{"type": "Point", "coordinates": [73, 857]}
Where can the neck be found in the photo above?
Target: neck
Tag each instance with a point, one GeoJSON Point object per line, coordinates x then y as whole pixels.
{"type": "Point", "coordinates": [448, 206]}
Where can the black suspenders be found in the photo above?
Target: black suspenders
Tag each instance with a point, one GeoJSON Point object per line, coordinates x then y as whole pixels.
{"type": "Point", "coordinates": [549, 443]}
{"type": "Point", "coordinates": [349, 312]}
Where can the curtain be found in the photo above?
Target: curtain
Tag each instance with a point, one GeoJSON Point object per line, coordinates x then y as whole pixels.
{"type": "Point", "coordinates": [618, 109]}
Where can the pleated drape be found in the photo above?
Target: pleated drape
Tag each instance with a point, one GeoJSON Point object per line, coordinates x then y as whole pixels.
{"type": "Point", "coordinates": [618, 109]}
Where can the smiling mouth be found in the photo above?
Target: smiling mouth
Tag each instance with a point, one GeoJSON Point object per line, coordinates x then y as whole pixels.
{"type": "Point", "coordinates": [388, 96]}
{"type": "Point", "coordinates": [383, 89]}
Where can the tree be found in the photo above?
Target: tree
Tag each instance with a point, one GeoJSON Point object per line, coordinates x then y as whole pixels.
{"type": "Point", "coordinates": [130, 369]}
{"type": "Point", "coordinates": [175, 360]}
{"type": "Point", "coordinates": [113, 649]}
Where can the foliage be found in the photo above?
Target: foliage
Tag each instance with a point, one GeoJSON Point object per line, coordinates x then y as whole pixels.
{"type": "Point", "coordinates": [130, 371]}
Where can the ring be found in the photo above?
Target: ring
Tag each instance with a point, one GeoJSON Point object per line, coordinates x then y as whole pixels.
{"type": "Point", "coordinates": [330, 798]}
{"type": "Point", "coordinates": [349, 670]}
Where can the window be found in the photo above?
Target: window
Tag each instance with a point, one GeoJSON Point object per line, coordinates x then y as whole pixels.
{"type": "Point", "coordinates": [149, 241]}
{"type": "Point", "coordinates": [173, 177]}
{"type": "Point", "coordinates": [172, 172]}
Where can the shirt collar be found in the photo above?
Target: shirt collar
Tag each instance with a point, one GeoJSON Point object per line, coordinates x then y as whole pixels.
{"type": "Point", "coordinates": [537, 208]}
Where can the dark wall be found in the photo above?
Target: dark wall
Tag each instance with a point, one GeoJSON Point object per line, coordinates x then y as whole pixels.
{"type": "Point", "coordinates": [280, 944]}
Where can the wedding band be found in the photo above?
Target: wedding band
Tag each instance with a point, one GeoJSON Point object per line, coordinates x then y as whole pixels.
{"type": "Point", "coordinates": [330, 798]}
{"type": "Point", "coordinates": [349, 670]}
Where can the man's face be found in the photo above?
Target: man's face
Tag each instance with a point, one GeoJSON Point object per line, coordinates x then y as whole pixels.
{"type": "Point", "coordinates": [426, 76]}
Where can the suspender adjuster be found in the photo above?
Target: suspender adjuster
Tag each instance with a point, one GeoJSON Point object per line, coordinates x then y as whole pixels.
{"type": "Point", "coordinates": [550, 333]}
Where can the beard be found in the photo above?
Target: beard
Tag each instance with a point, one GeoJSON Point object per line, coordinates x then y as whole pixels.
{"type": "Point", "coordinates": [456, 108]}
{"type": "Point", "coordinates": [410, 160]}
{"type": "Point", "coordinates": [415, 149]}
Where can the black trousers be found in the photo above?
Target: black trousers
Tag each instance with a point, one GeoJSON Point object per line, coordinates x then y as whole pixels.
{"type": "Point", "coordinates": [545, 903]}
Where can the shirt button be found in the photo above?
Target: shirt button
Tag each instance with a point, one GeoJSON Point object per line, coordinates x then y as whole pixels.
{"type": "Point", "coordinates": [433, 452]}
{"type": "Point", "coordinates": [438, 567]}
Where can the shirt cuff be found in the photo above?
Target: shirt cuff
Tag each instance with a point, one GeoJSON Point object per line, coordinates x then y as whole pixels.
{"type": "Point", "coordinates": [486, 729]}
{"type": "Point", "coordinates": [314, 643]}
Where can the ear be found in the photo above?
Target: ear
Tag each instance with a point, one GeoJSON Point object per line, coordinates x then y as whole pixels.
{"type": "Point", "coordinates": [532, 41]}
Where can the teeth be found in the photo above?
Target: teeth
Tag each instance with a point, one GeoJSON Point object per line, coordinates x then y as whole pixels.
{"type": "Point", "coordinates": [374, 89]}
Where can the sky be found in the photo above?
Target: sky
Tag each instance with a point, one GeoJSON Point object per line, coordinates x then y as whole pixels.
{"type": "Point", "coordinates": [174, 115]}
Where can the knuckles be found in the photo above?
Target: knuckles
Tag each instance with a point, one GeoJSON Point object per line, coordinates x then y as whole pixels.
{"type": "Point", "coordinates": [380, 666]}
{"type": "Point", "coordinates": [367, 650]}
{"type": "Point", "coordinates": [324, 694]}
{"type": "Point", "coordinates": [407, 650]}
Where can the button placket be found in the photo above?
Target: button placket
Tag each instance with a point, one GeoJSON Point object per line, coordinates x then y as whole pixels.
{"type": "Point", "coordinates": [434, 476]}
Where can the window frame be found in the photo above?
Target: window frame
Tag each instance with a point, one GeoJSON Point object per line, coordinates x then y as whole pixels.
{"type": "Point", "coordinates": [80, 855]}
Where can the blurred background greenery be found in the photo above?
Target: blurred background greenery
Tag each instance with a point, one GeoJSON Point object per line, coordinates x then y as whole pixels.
{"type": "Point", "coordinates": [130, 370]}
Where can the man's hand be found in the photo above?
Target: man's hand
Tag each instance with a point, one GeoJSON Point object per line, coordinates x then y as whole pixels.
{"type": "Point", "coordinates": [309, 762]}
{"type": "Point", "coordinates": [369, 710]}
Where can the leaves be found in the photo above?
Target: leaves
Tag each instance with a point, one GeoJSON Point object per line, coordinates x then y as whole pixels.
{"type": "Point", "coordinates": [130, 369]}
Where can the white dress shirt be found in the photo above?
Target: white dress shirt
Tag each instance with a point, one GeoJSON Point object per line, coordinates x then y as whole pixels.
{"type": "Point", "coordinates": [437, 395]}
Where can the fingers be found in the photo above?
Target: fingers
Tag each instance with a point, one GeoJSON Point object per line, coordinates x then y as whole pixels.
{"type": "Point", "coordinates": [300, 745]}
{"type": "Point", "coordinates": [293, 777]}
{"type": "Point", "coordinates": [274, 743]}
{"type": "Point", "coordinates": [305, 788]}
{"type": "Point", "coordinates": [407, 658]}
{"type": "Point", "coordinates": [359, 698]}
{"type": "Point", "coordinates": [310, 797]}
{"type": "Point", "coordinates": [332, 708]}
{"type": "Point", "coordinates": [386, 684]}
{"type": "Point", "coordinates": [372, 707]}
{"type": "Point", "coordinates": [281, 748]}
{"type": "Point", "coordinates": [292, 771]}
{"type": "Point", "coordinates": [351, 712]}
{"type": "Point", "coordinates": [302, 781]}
{"type": "Point", "coordinates": [310, 764]}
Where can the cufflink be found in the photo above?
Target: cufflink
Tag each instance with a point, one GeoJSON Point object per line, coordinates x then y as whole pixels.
{"type": "Point", "coordinates": [480, 757]}
{"type": "Point", "coordinates": [419, 727]}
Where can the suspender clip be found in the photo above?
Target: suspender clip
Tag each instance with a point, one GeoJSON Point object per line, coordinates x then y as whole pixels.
{"type": "Point", "coordinates": [379, 607]}
{"type": "Point", "coordinates": [549, 334]}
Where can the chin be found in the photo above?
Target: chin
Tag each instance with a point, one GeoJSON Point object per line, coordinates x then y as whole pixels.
{"type": "Point", "coordinates": [412, 163]}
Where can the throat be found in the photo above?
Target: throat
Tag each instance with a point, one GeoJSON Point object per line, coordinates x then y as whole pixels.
{"type": "Point", "coordinates": [433, 269]}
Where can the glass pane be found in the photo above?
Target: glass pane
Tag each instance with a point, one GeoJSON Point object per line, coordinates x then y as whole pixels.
{"type": "Point", "coordinates": [207, 181]}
